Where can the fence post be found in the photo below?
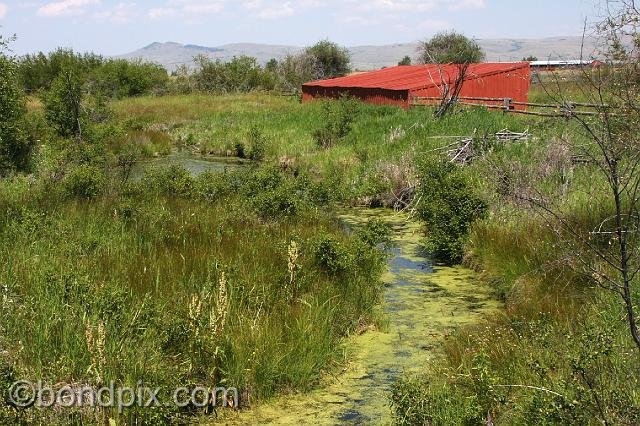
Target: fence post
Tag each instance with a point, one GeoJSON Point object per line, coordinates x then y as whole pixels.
{"type": "Point", "coordinates": [507, 104]}
{"type": "Point", "coordinates": [567, 109]}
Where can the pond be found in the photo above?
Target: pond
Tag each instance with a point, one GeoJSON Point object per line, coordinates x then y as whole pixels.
{"type": "Point", "coordinates": [194, 163]}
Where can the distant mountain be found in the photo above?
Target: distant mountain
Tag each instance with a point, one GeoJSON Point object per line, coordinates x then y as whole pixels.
{"type": "Point", "coordinates": [171, 54]}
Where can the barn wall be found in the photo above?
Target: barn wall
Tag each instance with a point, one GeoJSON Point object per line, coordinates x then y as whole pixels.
{"type": "Point", "coordinates": [373, 96]}
{"type": "Point", "coordinates": [511, 84]}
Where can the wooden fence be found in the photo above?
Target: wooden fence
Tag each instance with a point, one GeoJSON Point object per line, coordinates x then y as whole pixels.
{"type": "Point", "coordinates": [507, 105]}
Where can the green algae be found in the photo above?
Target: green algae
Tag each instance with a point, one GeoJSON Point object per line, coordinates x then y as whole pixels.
{"type": "Point", "coordinates": [422, 303]}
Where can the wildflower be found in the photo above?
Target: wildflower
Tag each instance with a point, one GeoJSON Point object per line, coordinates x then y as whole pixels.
{"type": "Point", "coordinates": [294, 254]}
{"type": "Point", "coordinates": [218, 315]}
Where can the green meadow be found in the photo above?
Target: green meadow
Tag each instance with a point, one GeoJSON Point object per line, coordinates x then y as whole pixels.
{"type": "Point", "coordinates": [246, 278]}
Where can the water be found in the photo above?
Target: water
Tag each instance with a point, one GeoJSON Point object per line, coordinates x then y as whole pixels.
{"type": "Point", "coordinates": [195, 164]}
{"type": "Point", "coordinates": [422, 302]}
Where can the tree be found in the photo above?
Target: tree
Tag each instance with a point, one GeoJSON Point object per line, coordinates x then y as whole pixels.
{"type": "Point", "coordinates": [118, 78]}
{"type": "Point", "coordinates": [38, 71]}
{"type": "Point", "coordinates": [333, 60]}
{"type": "Point", "coordinates": [241, 74]}
{"type": "Point", "coordinates": [405, 61]}
{"type": "Point", "coordinates": [271, 65]}
{"type": "Point", "coordinates": [15, 148]}
{"type": "Point", "coordinates": [295, 70]}
{"type": "Point", "coordinates": [450, 47]}
{"type": "Point", "coordinates": [530, 59]}
{"type": "Point", "coordinates": [63, 104]}
{"type": "Point", "coordinates": [602, 243]}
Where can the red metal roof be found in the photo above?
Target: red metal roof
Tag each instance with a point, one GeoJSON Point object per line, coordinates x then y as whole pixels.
{"type": "Point", "coordinates": [411, 77]}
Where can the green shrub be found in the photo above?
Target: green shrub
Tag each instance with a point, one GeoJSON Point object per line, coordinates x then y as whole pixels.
{"type": "Point", "coordinates": [258, 143]}
{"type": "Point", "coordinates": [114, 78]}
{"type": "Point", "coordinates": [241, 74]}
{"type": "Point", "coordinates": [333, 60]}
{"type": "Point", "coordinates": [118, 78]}
{"type": "Point", "coordinates": [375, 232]}
{"type": "Point", "coordinates": [173, 180]}
{"type": "Point", "coordinates": [39, 71]}
{"type": "Point", "coordinates": [448, 207]}
{"type": "Point", "coordinates": [418, 402]}
{"type": "Point", "coordinates": [338, 118]}
{"type": "Point", "coordinates": [330, 254]}
{"type": "Point", "coordinates": [15, 147]}
{"type": "Point", "coordinates": [63, 103]}
{"type": "Point", "coordinates": [450, 47]}
{"type": "Point", "coordinates": [84, 181]}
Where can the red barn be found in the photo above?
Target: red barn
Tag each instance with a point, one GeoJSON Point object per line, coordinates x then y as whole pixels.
{"type": "Point", "coordinates": [401, 85]}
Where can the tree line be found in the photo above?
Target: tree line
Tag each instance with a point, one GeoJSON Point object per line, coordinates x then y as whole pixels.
{"type": "Point", "coordinates": [118, 78]}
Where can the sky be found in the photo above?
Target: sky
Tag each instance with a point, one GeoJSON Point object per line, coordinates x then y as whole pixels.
{"type": "Point", "coordinates": [116, 27]}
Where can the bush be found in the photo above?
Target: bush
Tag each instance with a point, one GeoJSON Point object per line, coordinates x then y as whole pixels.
{"type": "Point", "coordinates": [375, 232]}
{"type": "Point", "coordinates": [450, 47]}
{"type": "Point", "coordinates": [417, 402]}
{"type": "Point", "coordinates": [272, 194]}
{"type": "Point", "coordinates": [330, 254]}
{"type": "Point", "coordinates": [174, 180]}
{"type": "Point", "coordinates": [39, 71]}
{"type": "Point", "coordinates": [295, 70]}
{"type": "Point", "coordinates": [258, 143]}
{"type": "Point", "coordinates": [241, 74]}
{"type": "Point", "coordinates": [448, 207]}
{"type": "Point", "coordinates": [15, 147]}
{"type": "Point", "coordinates": [84, 181]}
{"type": "Point", "coordinates": [338, 118]}
{"type": "Point", "coordinates": [120, 78]}
{"type": "Point", "coordinates": [63, 104]}
{"type": "Point", "coordinates": [333, 60]}
{"type": "Point", "coordinates": [405, 61]}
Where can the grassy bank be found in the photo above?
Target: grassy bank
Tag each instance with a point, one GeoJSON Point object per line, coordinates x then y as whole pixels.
{"type": "Point", "coordinates": [374, 160]}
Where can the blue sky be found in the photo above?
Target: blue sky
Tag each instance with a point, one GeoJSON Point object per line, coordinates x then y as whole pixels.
{"type": "Point", "coordinates": [113, 27]}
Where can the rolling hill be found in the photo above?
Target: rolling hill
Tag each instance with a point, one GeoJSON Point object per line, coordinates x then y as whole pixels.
{"type": "Point", "coordinates": [171, 54]}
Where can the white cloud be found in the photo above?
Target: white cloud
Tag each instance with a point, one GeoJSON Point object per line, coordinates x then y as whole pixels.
{"type": "Point", "coordinates": [457, 5]}
{"type": "Point", "coordinates": [416, 6]}
{"type": "Point", "coordinates": [121, 13]}
{"type": "Point", "coordinates": [161, 12]}
{"type": "Point", "coordinates": [396, 6]}
{"type": "Point", "coordinates": [433, 25]}
{"type": "Point", "coordinates": [187, 8]}
{"type": "Point", "coordinates": [66, 7]}
{"type": "Point", "coordinates": [358, 12]}
{"type": "Point", "coordinates": [359, 20]}
{"type": "Point", "coordinates": [275, 9]}
{"type": "Point", "coordinates": [281, 11]}
{"type": "Point", "coordinates": [3, 10]}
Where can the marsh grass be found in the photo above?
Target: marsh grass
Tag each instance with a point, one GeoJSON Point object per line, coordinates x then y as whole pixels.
{"type": "Point", "coordinates": [244, 279]}
{"type": "Point", "coordinates": [560, 353]}
{"type": "Point", "coordinates": [381, 138]}
{"type": "Point", "coordinates": [175, 290]}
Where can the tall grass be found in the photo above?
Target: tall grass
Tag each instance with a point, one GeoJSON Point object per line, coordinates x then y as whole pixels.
{"type": "Point", "coordinates": [380, 137]}
{"type": "Point", "coordinates": [176, 291]}
{"type": "Point", "coordinates": [560, 353]}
